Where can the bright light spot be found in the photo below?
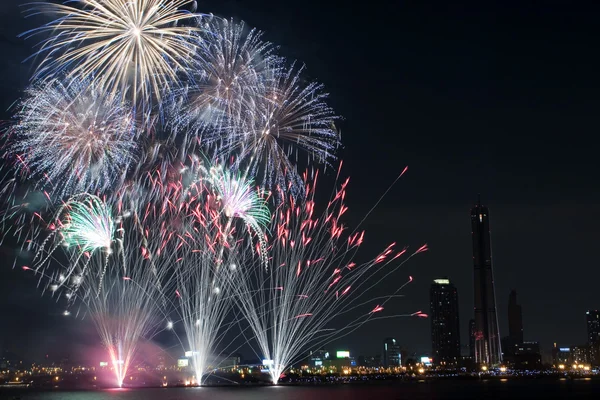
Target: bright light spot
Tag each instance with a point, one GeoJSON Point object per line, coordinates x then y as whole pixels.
{"type": "Point", "coordinates": [169, 325]}
{"type": "Point", "coordinates": [54, 288]}
{"type": "Point", "coordinates": [216, 290]}
{"type": "Point", "coordinates": [232, 267]}
{"type": "Point", "coordinates": [66, 313]}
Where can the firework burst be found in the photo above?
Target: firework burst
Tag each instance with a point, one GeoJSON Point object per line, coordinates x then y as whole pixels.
{"type": "Point", "coordinates": [230, 66]}
{"type": "Point", "coordinates": [84, 226]}
{"type": "Point", "coordinates": [72, 137]}
{"type": "Point", "coordinates": [291, 118]}
{"type": "Point", "coordinates": [134, 46]}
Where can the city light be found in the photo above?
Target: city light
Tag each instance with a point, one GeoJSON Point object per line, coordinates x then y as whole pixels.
{"type": "Point", "coordinates": [342, 354]}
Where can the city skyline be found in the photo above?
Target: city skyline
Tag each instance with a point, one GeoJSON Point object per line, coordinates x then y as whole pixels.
{"type": "Point", "coordinates": [468, 108]}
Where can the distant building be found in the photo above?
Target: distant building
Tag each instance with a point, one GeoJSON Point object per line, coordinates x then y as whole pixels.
{"type": "Point", "coordinates": [231, 362]}
{"type": "Point", "coordinates": [582, 354]}
{"type": "Point", "coordinates": [593, 326]}
{"type": "Point", "coordinates": [487, 334]}
{"type": "Point", "coordinates": [515, 318]}
{"type": "Point", "coordinates": [445, 332]}
{"type": "Point", "coordinates": [472, 339]}
{"type": "Point", "coordinates": [508, 349]}
{"type": "Point", "coordinates": [391, 353]}
{"type": "Point", "coordinates": [527, 356]}
{"type": "Point", "coordinates": [317, 357]}
{"type": "Point", "coordinates": [593, 330]}
{"type": "Point", "coordinates": [561, 356]}
{"type": "Point", "coordinates": [342, 360]}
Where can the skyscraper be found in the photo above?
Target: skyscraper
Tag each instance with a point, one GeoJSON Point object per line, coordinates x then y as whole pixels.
{"type": "Point", "coordinates": [487, 335]}
{"type": "Point", "coordinates": [445, 333]}
{"type": "Point", "coordinates": [593, 328]}
{"type": "Point", "coordinates": [472, 339]}
{"type": "Point", "coordinates": [515, 319]}
{"type": "Point", "coordinates": [391, 353]}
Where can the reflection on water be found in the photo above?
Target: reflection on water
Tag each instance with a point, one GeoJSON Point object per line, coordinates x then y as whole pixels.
{"type": "Point", "coordinates": [504, 389]}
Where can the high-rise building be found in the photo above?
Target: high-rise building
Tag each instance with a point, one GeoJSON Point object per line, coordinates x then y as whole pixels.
{"type": "Point", "coordinates": [593, 326]}
{"type": "Point", "coordinates": [472, 339]}
{"type": "Point", "coordinates": [391, 353]}
{"type": "Point", "coordinates": [515, 319]}
{"type": "Point", "coordinates": [445, 332]}
{"type": "Point", "coordinates": [593, 329]}
{"type": "Point", "coordinates": [487, 335]}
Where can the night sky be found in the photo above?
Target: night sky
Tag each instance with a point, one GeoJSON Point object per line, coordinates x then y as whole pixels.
{"type": "Point", "coordinates": [488, 98]}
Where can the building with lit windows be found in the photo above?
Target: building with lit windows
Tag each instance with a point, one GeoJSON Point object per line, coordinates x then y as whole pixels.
{"type": "Point", "coordinates": [445, 332]}
{"type": "Point", "coordinates": [391, 353]}
{"type": "Point", "coordinates": [593, 330]}
{"type": "Point", "coordinates": [561, 356]}
{"type": "Point", "coordinates": [527, 356]}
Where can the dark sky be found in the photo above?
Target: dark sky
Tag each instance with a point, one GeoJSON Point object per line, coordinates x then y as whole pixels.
{"type": "Point", "coordinates": [497, 98]}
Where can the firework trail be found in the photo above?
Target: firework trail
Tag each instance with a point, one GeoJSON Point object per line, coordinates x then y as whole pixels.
{"type": "Point", "coordinates": [115, 267]}
{"type": "Point", "coordinates": [203, 239]}
{"type": "Point", "coordinates": [128, 46]}
{"type": "Point", "coordinates": [312, 280]}
{"type": "Point", "coordinates": [190, 228]}
{"type": "Point", "coordinates": [72, 137]}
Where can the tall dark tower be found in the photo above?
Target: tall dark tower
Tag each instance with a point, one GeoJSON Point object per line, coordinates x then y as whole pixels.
{"type": "Point", "coordinates": [445, 333]}
{"type": "Point", "coordinates": [515, 319]}
{"type": "Point", "coordinates": [472, 339]}
{"type": "Point", "coordinates": [487, 335]}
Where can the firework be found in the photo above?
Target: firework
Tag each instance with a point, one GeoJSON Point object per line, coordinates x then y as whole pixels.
{"type": "Point", "coordinates": [230, 66]}
{"type": "Point", "coordinates": [134, 46]}
{"type": "Point", "coordinates": [115, 267]}
{"type": "Point", "coordinates": [312, 281]}
{"type": "Point", "coordinates": [200, 239]}
{"type": "Point", "coordinates": [130, 306]}
{"type": "Point", "coordinates": [238, 199]}
{"type": "Point", "coordinates": [122, 295]}
{"type": "Point", "coordinates": [203, 296]}
{"type": "Point", "coordinates": [291, 118]}
{"type": "Point", "coordinates": [83, 226]}
{"type": "Point", "coordinates": [72, 137]}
